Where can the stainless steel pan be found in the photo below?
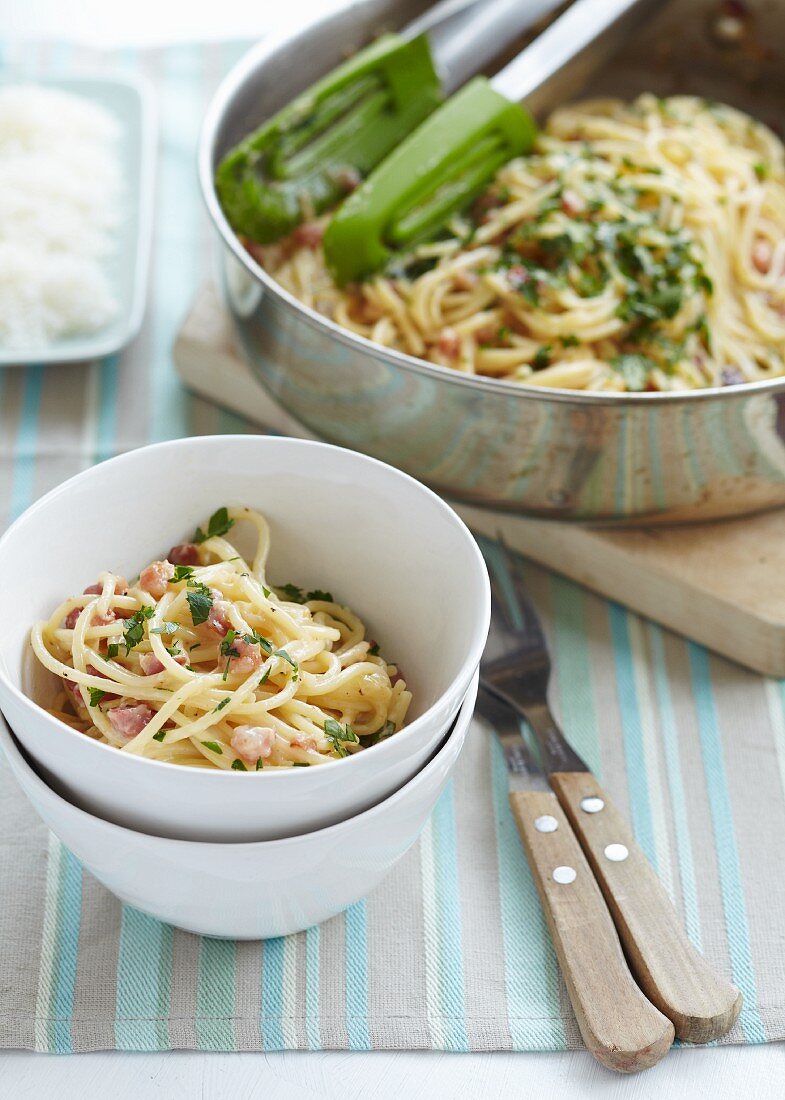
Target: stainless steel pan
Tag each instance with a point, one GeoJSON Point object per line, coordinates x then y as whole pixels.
{"type": "Point", "coordinates": [595, 457]}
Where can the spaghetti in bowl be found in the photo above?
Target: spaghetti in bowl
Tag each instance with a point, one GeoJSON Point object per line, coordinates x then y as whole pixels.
{"type": "Point", "coordinates": [377, 540]}
{"type": "Point", "coordinates": [199, 662]}
{"type": "Point", "coordinates": [639, 248]}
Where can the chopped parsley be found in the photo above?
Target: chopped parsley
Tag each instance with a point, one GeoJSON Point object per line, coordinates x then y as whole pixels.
{"type": "Point", "coordinates": [164, 628]}
{"type": "Point", "coordinates": [182, 572]}
{"type": "Point", "coordinates": [96, 695]}
{"type": "Point", "coordinates": [159, 736]}
{"type": "Point", "coordinates": [219, 524]}
{"type": "Point", "coordinates": [374, 650]}
{"type": "Point", "coordinates": [761, 170]}
{"type": "Point", "coordinates": [286, 657]}
{"type": "Point", "coordinates": [213, 746]}
{"type": "Point", "coordinates": [228, 651]}
{"type": "Point", "coordinates": [112, 650]}
{"type": "Point", "coordinates": [569, 341]}
{"type": "Point", "coordinates": [336, 734]}
{"type": "Point", "coordinates": [256, 639]}
{"type": "Point", "coordinates": [133, 631]}
{"type": "Point", "coordinates": [634, 369]}
{"type": "Point", "coordinates": [200, 601]}
{"type": "Point", "coordinates": [300, 764]}
{"type": "Point", "coordinates": [387, 730]}
{"type": "Point", "coordinates": [297, 595]}
{"type": "Point", "coordinates": [542, 357]}
{"type": "Point", "coordinates": [238, 766]}
{"type": "Point", "coordinates": [259, 764]}
{"type": "Point", "coordinates": [223, 703]}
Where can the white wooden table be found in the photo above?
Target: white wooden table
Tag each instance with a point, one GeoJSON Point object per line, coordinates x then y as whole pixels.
{"type": "Point", "coordinates": [732, 1072]}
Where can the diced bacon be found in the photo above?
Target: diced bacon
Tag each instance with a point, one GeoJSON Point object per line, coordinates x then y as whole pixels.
{"type": "Point", "coordinates": [253, 742]}
{"type": "Point", "coordinates": [98, 620]}
{"type": "Point", "coordinates": [218, 619]}
{"type": "Point", "coordinates": [72, 688]}
{"type": "Point", "coordinates": [249, 656]}
{"type": "Point", "coordinates": [151, 665]}
{"type": "Point", "coordinates": [762, 254]}
{"type": "Point", "coordinates": [449, 343]}
{"type": "Point", "coordinates": [156, 577]}
{"type": "Point", "coordinates": [395, 678]}
{"type": "Point", "coordinates": [308, 235]}
{"type": "Point", "coordinates": [517, 276]}
{"type": "Point", "coordinates": [130, 721]}
{"type": "Point", "coordinates": [464, 280]}
{"type": "Point", "coordinates": [186, 553]}
{"type": "Point", "coordinates": [120, 587]}
{"type": "Point", "coordinates": [572, 203]}
{"type": "Point", "coordinates": [348, 179]}
{"type": "Point", "coordinates": [307, 743]}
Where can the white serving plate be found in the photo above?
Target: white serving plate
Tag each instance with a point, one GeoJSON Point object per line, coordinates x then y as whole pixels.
{"type": "Point", "coordinates": [131, 101]}
{"type": "Point", "coordinates": [248, 891]}
{"type": "Point", "coordinates": [381, 542]}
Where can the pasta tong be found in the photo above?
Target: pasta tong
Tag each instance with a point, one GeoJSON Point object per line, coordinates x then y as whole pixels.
{"type": "Point", "coordinates": [458, 149]}
{"type": "Point", "coordinates": [676, 979]}
{"type": "Point", "coordinates": [306, 158]}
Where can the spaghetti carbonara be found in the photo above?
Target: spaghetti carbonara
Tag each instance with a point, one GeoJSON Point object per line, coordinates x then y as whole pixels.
{"type": "Point", "coordinates": [200, 662]}
{"type": "Point", "coordinates": [639, 247]}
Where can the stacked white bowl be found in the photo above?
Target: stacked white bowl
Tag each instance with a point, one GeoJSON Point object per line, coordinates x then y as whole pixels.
{"type": "Point", "coordinates": [255, 854]}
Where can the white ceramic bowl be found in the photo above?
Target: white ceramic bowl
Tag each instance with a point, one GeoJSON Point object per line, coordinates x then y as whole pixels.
{"type": "Point", "coordinates": [380, 541]}
{"type": "Point", "coordinates": [248, 891]}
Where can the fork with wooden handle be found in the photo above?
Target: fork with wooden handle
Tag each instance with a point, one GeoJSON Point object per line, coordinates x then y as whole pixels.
{"type": "Point", "coordinates": [620, 1027]}
{"type": "Point", "coordinates": [674, 976]}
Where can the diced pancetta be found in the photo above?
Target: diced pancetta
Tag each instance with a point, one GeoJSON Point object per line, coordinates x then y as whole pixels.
{"type": "Point", "coordinates": [151, 665]}
{"type": "Point", "coordinates": [218, 619]}
{"type": "Point", "coordinates": [253, 742]}
{"type": "Point", "coordinates": [249, 656]}
{"type": "Point", "coordinates": [156, 577]}
{"type": "Point", "coordinates": [186, 553]}
{"type": "Point", "coordinates": [130, 721]}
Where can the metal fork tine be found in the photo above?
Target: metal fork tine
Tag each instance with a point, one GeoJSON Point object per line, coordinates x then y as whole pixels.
{"type": "Point", "coordinates": [528, 613]}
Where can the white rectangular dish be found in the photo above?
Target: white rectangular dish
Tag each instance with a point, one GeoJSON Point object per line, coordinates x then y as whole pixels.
{"type": "Point", "coordinates": [130, 101]}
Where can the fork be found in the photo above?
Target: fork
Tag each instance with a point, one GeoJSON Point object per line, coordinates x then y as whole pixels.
{"type": "Point", "coordinates": [516, 667]}
{"type": "Point", "coordinates": [621, 1028]}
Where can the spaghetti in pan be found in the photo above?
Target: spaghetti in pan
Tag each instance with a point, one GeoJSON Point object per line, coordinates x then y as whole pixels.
{"type": "Point", "coordinates": [641, 246]}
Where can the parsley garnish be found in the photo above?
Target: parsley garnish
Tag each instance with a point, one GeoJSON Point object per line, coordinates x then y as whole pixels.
{"type": "Point", "coordinates": [336, 734]}
{"type": "Point", "coordinates": [182, 572]}
{"type": "Point", "coordinates": [223, 703]}
{"type": "Point", "coordinates": [96, 695]}
{"type": "Point", "coordinates": [164, 628]}
{"type": "Point", "coordinates": [634, 369]}
{"type": "Point", "coordinates": [259, 764]}
{"type": "Point", "coordinates": [219, 524]}
{"type": "Point", "coordinates": [387, 730]}
{"type": "Point", "coordinates": [228, 650]}
{"type": "Point", "coordinates": [286, 657]}
{"type": "Point", "coordinates": [159, 736]}
{"type": "Point", "coordinates": [200, 601]}
{"type": "Point", "coordinates": [173, 650]}
{"type": "Point", "coordinates": [256, 639]}
{"type": "Point", "coordinates": [112, 650]}
{"type": "Point", "coordinates": [374, 650]}
{"type": "Point", "coordinates": [133, 632]}
{"type": "Point", "coordinates": [297, 595]}
{"type": "Point", "coordinates": [238, 766]}
{"type": "Point", "coordinates": [213, 746]}
{"type": "Point", "coordinates": [761, 170]}
{"type": "Point", "coordinates": [570, 340]}
{"type": "Point", "coordinates": [267, 592]}
{"type": "Point", "coordinates": [300, 764]}
{"type": "Point", "coordinates": [542, 357]}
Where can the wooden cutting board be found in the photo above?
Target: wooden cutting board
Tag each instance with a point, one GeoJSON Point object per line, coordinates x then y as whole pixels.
{"type": "Point", "coordinates": [721, 584]}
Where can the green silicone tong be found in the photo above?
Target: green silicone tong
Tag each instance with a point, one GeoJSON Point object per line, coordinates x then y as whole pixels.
{"type": "Point", "coordinates": [455, 152]}
{"type": "Point", "coordinates": [305, 159]}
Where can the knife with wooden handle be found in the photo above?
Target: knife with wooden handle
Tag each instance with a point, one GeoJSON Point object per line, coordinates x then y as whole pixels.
{"type": "Point", "coordinates": [620, 1027]}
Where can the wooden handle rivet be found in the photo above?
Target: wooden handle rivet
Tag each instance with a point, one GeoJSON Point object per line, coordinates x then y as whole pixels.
{"type": "Point", "coordinates": [592, 805]}
{"type": "Point", "coordinates": [616, 853]}
{"type": "Point", "coordinates": [546, 824]}
{"type": "Point", "coordinates": [565, 875]}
